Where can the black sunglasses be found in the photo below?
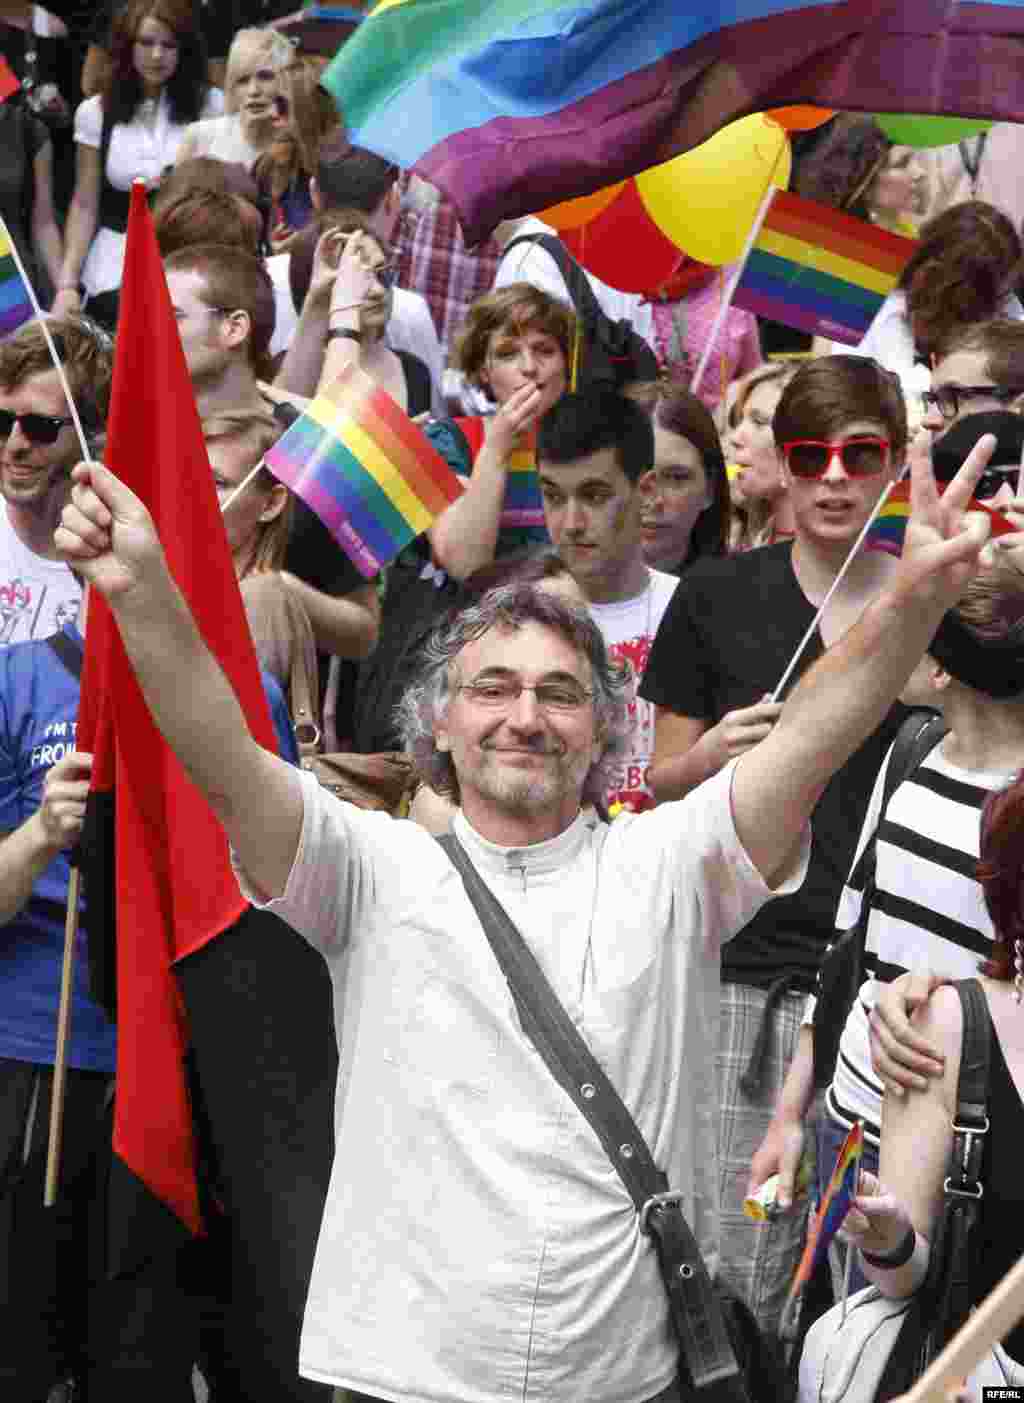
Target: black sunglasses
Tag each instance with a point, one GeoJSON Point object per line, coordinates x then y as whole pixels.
{"type": "Point", "coordinates": [950, 399]}
{"type": "Point", "coordinates": [37, 428]}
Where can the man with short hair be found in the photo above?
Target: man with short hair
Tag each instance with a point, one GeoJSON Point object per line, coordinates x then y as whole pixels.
{"type": "Point", "coordinates": [38, 448]}
{"type": "Point", "coordinates": [473, 1216]}
{"type": "Point", "coordinates": [728, 636]}
{"type": "Point", "coordinates": [592, 451]}
{"type": "Point", "coordinates": [981, 368]}
{"type": "Point", "coordinates": [224, 304]}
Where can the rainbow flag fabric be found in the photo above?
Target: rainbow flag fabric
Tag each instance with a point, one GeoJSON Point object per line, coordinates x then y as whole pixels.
{"type": "Point", "coordinates": [512, 105]}
{"type": "Point", "coordinates": [889, 527]}
{"type": "Point", "coordinates": [15, 303]}
{"type": "Point", "coordinates": [820, 271]}
{"type": "Point", "coordinates": [366, 470]}
{"type": "Point", "coordinates": [827, 1218]}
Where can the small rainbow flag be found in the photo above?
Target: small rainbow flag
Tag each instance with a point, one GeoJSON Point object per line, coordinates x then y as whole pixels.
{"type": "Point", "coordinates": [15, 302]}
{"type": "Point", "coordinates": [827, 1218]}
{"type": "Point", "coordinates": [366, 470]}
{"type": "Point", "coordinates": [821, 271]}
{"type": "Point", "coordinates": [523, 504]}
{"type": "Point", "coordinates": [889, 527]}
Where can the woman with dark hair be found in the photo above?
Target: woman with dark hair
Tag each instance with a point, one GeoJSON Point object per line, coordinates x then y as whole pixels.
{"type": "Point", "coordinates": [964, 270]}
{"type": "Point", "coordinates": [857, 169]}
{"type": "Point", "coordinates": [686, 496]}
{"type": "Point", "coordinates": [131, 130]}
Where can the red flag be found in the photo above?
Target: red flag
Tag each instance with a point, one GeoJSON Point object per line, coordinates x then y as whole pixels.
{"type": "Point", "coordinates": [9, 82]}
{"type": "Point", "coordinates": [175, 888]}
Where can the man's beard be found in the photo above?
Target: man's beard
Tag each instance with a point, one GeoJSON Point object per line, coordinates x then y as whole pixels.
{"type": "Point", "coordinates": [530, 792]}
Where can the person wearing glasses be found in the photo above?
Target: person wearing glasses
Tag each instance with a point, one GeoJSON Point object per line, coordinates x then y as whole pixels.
{"type": "Point", "coordinates": [38, 447]}
{"type": "Point", "coordinates": [729, 634]}
{"type": "Point", "coordinates": [979, 368]}
{"type": "Point", "coordinates": [472, 1214]}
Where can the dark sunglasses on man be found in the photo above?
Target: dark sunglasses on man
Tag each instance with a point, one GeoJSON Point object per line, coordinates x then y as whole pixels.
{"type": "Point", "coordinates": [861, 455]}
{"type": "Point", "coordinates": [37, 428]}
{"type": "Point", "coordinates": [949, 451]}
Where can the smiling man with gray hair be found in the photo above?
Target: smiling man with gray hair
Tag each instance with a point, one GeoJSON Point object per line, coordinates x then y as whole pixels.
{"type": "Point", "coordinates": [477, 1242]}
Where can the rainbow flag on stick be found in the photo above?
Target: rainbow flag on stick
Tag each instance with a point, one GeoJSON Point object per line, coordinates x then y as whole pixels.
{"type": "Point", "coordinates": [818, 270]}
{"type": "Point", "coordinates": [827, 1218]}
{"type": "Point", "coordinates": [15, 301]}
{"type": "Point", "coordinates": [366, 470]}
{"type": "Point", "coordinates": [889, 527]}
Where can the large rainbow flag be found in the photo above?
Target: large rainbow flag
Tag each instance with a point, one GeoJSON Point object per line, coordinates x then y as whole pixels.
{"type": "Point", "coordinates": [15, 303]}
{"type": "Point", "coordinates": [819, 270]}
{"type": "Point", "coordinates": [366, 470]}
{"type": "Point", "coordinates": [512, 105]}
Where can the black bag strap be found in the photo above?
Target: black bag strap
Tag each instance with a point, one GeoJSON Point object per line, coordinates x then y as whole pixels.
{"type": "Point", "coordinates": [71, 653]}
{"type": "Point", "coordinates": [919, 734]}
{"type": "Point", "coordinates": [706, 1348]}
{"type": "Point", "coordinates": [587, 306]}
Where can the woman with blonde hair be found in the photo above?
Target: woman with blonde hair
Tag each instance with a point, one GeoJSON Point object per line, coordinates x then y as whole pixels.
{"type": "Point", "coordinates": [252, 83]}
{"type": "Point", "coordinates": [765, 515]}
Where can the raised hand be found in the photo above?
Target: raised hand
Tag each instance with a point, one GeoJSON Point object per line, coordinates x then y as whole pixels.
{"type": "Point", "coordinates": [106, 533]}
{"type": "Point", "coordinates": [944, 540]}
{"type": "Point", "coordinates": [516, 415]}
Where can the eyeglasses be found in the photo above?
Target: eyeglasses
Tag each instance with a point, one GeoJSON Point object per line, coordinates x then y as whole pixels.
{"type": "Point", "coordinates": [501, 693]}
{"type": "Point", "coordinates": [385, 273]}
{"type": "Point", "coordinates": [863, 456]}
{"type": "Point", "coordinates": [990, 482]}
{"type": "Point", "coordinates": [37, 428]}
{"type": "Point", "coordinates": [949, 400]}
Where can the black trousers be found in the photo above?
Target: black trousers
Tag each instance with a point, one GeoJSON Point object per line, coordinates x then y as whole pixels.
{"type": "Point", "coordinates": [133, 1336]}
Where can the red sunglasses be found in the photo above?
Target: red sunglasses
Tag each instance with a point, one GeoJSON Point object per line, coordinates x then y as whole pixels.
{"type": "Point", "coordinates": [863, 456]}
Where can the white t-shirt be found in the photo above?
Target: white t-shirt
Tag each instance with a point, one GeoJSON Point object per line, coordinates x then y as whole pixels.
{"type": "Point", "coordinates": [410, 326]}
{"type": "Point", "coordinates": [138, 151]}
{"type": "Point", "coordinates": [628, 628]}
{"type": "Point", "coordinates": [477, 1243]}
{"type": "Point", "coordinates": [37, 596]}
{"type": "Point", "coordinates": [529, 263]}
{"type": "Point", "coordinates": [223, 139]}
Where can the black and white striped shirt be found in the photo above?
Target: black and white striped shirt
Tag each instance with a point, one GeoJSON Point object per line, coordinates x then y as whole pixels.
{"type": "Point", "coordinates": [928, 914]}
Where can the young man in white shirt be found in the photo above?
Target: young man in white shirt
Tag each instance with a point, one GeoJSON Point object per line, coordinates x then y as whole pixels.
{"type": "Point", "coordinates": [592, 451]}
{"type": "Point", "coordinates": [38, 448]}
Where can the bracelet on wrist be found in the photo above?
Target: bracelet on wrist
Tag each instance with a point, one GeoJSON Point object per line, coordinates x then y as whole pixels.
{"type": "Point", "coordinates": [898, 1257]}
{"type": "Point", "coordinates": [344, 333]}
{"type": "Point", "coordinates": [69, 285]}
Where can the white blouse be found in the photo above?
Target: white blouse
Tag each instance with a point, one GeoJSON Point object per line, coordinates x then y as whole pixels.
{"type": "Point", "coordinates": [138, 150]}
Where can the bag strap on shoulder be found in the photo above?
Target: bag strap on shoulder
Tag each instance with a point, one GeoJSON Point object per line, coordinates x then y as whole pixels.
{"type": "Point", "coordinates": [587, 306]}
{"type": "Point", "coordinates": [701, 1328]}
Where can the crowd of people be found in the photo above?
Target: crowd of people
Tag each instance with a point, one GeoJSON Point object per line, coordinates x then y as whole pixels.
{"type": "Point", "coordinates": [637, 668]}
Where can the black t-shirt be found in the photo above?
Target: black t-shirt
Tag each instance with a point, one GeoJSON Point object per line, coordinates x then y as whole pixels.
{"type": "Point", "coordinates": [728, 634]}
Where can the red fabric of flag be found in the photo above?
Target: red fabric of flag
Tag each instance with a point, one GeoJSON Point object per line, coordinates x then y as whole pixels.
{"type": "Point", "coordinates": [175, 887]}
{"type": "Point", "coordinates": [9, 82]}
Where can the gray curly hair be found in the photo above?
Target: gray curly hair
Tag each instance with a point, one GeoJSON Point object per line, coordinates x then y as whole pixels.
{"type": "Point", "coordinates": [510, 607]}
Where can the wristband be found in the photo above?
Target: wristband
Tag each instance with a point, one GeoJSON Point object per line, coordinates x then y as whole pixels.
{"type": "Point", "coordinates": [343, 333]}
{"type": "Point", "coordinates": [71, 285]}
{"type": "Point", "coordinates": [899, 1257]}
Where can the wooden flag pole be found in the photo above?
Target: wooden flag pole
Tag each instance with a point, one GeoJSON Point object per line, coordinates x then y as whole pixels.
{"type": "Point", "coordinates": [725, 300]}
{"type": "Point", "coordinates": [991, 1322]}
{"type": "Point", "coordinates": [60, 1065]}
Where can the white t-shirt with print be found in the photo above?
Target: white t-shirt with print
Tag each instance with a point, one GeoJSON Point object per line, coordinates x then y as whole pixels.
{"type": "Point", "coordinates": [37, 596]}
{"type": "Point", "coordinates": [628, 628]}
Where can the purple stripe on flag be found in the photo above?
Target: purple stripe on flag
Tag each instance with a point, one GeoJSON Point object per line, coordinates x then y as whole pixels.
{"type": "Point", "coordinates": [511, 517]}
{"type": "Point", "coordinates": [337, 503]}
{"type": "Point", "coordinates": [351, 542]}
{"type": "Point", "coordinates": [803, 319]}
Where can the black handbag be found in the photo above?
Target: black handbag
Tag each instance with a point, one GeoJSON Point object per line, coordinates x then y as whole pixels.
{"type": "Point", "coordinates": [723, 1356]}
{"type": "Point", "coordinates": [841, 972]}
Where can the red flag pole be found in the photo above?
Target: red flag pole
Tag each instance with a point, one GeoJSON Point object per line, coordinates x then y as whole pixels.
{"type": "Point", "coordinates": [60, 1064]}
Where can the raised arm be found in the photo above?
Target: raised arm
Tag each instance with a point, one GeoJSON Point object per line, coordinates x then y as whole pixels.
{"type": "Point", "coordinates": [109, 536]}
{"type": "Point", "coordinates": [847, 693]}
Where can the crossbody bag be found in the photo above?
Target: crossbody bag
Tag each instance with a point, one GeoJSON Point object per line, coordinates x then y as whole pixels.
{"type": "Point", "coordinates": [722, 1356]}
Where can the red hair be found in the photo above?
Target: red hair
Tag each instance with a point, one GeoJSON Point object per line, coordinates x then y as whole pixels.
{"type": "Point", "coordinates": [1000, 871]}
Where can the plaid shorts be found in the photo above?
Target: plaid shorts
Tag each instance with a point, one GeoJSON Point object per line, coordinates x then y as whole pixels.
{"type": "Point", "coordinates": [758, 1258]}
